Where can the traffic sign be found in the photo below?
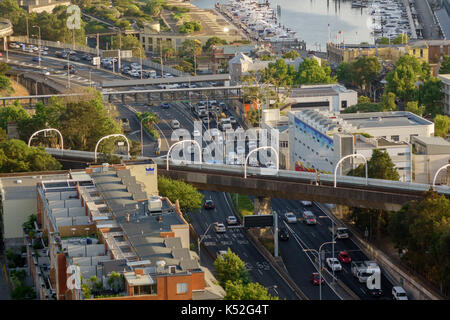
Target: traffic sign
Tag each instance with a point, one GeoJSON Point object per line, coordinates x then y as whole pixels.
{"type": "Point", "coordinates": [254, 221]}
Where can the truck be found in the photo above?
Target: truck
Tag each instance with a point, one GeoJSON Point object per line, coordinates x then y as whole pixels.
{"type": "Point", "coordinates": [200, 110]}
{"type": "Point", "coordinates": [340, 232]}
{"type": "Point", "coordinates": [362, 270]}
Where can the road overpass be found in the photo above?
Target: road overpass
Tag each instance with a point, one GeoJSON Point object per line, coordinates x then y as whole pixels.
{"type": "Point", "coordinates": [159, 81]}
{"type": "Point", "coordinates": [350, 191]}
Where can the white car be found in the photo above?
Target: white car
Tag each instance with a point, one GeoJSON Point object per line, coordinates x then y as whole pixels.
{"type": "Point", "coordinates": [14, 45]}
{"type": "Point", "coordinates": [306, 203]}
{"type": "Point", "coordinates": [232, 120]}
{"type": "Point", "coordinates": [44, 72]}
{"type": "Point", "coordinates": [214, 132]}
{"type": "Point", "coordinates": [231, 220]}
{"type": "Point", "coordinates": [398, 293]}
{"type": "Point", "coordinates": [290, 217]}
{"type": "Point", "coordinates": [334, 264]}
{"type": "Point", "coordinates": [175, 124]}
{"type": "Point", "coordinates": [196, 133]}
{"type": "Point", "coordinates": [219, 227]}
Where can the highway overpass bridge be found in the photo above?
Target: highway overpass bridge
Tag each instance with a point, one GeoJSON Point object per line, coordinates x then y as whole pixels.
{"type": "Point", "coordinates": [218, 78]}
{"type": "Point", "coordinates": [146, 96]}
{"type": "Point", "coordinates": [350, 191]}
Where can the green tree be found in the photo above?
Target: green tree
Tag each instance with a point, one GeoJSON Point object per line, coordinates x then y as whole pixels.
{"type": "Point", "coordinates": [445, 65]}
{"type": "Point", "coordinates": [413, 106]}
{"type": "Point", "coordinates": [230, 267]}
{"type": "Point", "coordinates": [421, 230]}
{"type": "Point", "coordinates": [403, 79]}
{"type": "Point", "coordinates": [380, 166]}
{"type": "Point", "coordinates": [5, 85]}
{"type": "Point", "coordinates": [213, 41]}
{"type": "Point", "coordinates": [128, 42]}
{"type": "Point", "coordinates": [363, 99]}
{"type": "Point", "coordinates": [388, 101]}
{"type": "Point", "coordinates": [310, 72]}
{"type": "Point", "coordinates": [188, 196]}
{"type": "Point", "coordinates": [430, 94]}
{"type": "Point", "coordinates": [441, 125]}
{"type": "Point", "coordinates": [16, 156]}
{"type": "Point", "coordinates": [401, 39]}
{"type": "Point", "coordinates": [191, 48]}
{"type": "Point", "coordinates": [12, 113]}
{"type": "Point", "coordinates": [236, 290]}
{"type": "Point", "coordinates": [344, 73]}
{"type": "Point", "coordinates": [293, 54]}
{"type": "Point", "coordinates": [4, 68]}
{"type": "Point", "coordinates": [383, 40]}
{"type": "Point", "coordinates": [364, 71]}
{"type": "Point", "coordinates": [154, 7]}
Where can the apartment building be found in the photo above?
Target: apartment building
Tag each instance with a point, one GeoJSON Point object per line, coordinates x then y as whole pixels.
{"type": "Point", "coordinates": [123, 242]}
{"type": "Point", "coordinates": [445, 78]}
{"type": "Point", "coordinates": [318, 139]}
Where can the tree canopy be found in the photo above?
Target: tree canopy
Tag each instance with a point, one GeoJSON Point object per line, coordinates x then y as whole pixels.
{"type": "Point", "coordinates": [310, 72]}
{"type": "Point", "coordinates": [16, 156]}
{"type": "Point", "coordinates": [188, 196]}
{"type": "Point", "coordinates": [441, 125]}
{"type": "Point", "coordinates": [421, 230]}
{"type": "Point", "coordinates": [380, 166]}
{"type": "Point", "coordinates": [236, 290]}
{"type": "Point", "coordinates": [230, 267]}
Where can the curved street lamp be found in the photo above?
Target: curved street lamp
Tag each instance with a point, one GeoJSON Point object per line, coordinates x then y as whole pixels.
{"type": "Point", "coordinates": [45, 130]}
{"type": "Point", "coordinates": [265, 147]}
{"type": "Point", "coordinates": [351, 156]}
{"type": "Point", "coordinates": [437, 172]}
{"type": "Point", "coordinates": [111, 136]}
{"type": "Point", "coordinates": [180, 142]}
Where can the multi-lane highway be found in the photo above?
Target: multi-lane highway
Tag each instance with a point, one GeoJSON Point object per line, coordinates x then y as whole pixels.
{"type": "Point", "coordinates": [299, 264]}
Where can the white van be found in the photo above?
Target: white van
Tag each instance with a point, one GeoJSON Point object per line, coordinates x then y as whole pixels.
{"type": "Point", "coordinates": [175, 124]}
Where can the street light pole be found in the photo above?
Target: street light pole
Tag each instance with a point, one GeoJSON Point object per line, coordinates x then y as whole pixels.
{"type": "Point", "coordinates": [333, 237]}
{"type": "Point", "coordinates": [320, 264]}
{"type": "Point", "coordinates": [199, 240]}
{"type": "Point", "coordinates": [39, 45]}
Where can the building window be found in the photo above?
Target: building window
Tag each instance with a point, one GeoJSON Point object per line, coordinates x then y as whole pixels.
{"type": "Point", "coordinates": [421, 53]}
{"type": "Point", "coordinates": [344, 104]}
{"type": "Point", "coordinates": [182, 288]}
{"type": "Point", "coordinates": [147, 289]}
{"type": "Point", "coordinates": [395, 138]}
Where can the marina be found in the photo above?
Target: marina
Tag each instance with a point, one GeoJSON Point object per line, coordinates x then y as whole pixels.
{"type": "Point", "coordinates": [261, 23]}
{"type": "Point", "coordinates": [392, 18]}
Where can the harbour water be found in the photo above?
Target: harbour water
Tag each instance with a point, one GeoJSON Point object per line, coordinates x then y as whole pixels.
{"type": "Point", "coordinates": [310, 20]}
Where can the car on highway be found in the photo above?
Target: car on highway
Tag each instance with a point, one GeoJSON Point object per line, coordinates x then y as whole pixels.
{"type": "Point", "coordinates": [316, 279]}
{"type": "Point", "coordinates": [232, 120]}
{"type": "Point", "coordinates": [209, 204]}
{"type": "Point", "coordinates": [74, 58]}
{"type": "Point", "coordinates": [222, 106]}
{"type": "Point", "coordinates": [306, 203]}
{"type": "Point", "coordinates": [309, 218]}
{"type": "Point", "coordinates": [344, 257]}
{"type": "Point", "coordinates": [398, 293]}
{"type": "Point", "coordinates": [206, 120]}
{"type": "Point", "coordinates": [232, 220]}
{"type": "Point", "coordinates": [375, 292]}
{"type": "Point", "coordinates": [44, 53]}
{"type": "Point", "coordinates": [37, 59]}
{"type": "Point", "coordinates": [164, 105]}
{"type": "Point", "coordinates": [175, 124]}
{"type": "Point", "coordinates": [333, 264]}
{"type": "Point", "coordinates": [219, 227]}
{"type": "Point", "coordinates": [14, 45]}
{"type": "Point", "coordinates": [283, 234]}
{"type": "Point", "coordinates": [29, 50]}
{"type": "Point", "coordinates": [44, 72]}
{"type": "Point", "coordinates": [196, 133]}
{"type": "Point", "coordinates": [290, 217]}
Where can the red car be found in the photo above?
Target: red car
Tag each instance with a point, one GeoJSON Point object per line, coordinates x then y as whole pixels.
{"type": "Point", "coordinates": [344, 257]}
{"type": "Point", "coordinates": [209, 204]}
{"type": "Point", "coordinates": [316, 279]}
